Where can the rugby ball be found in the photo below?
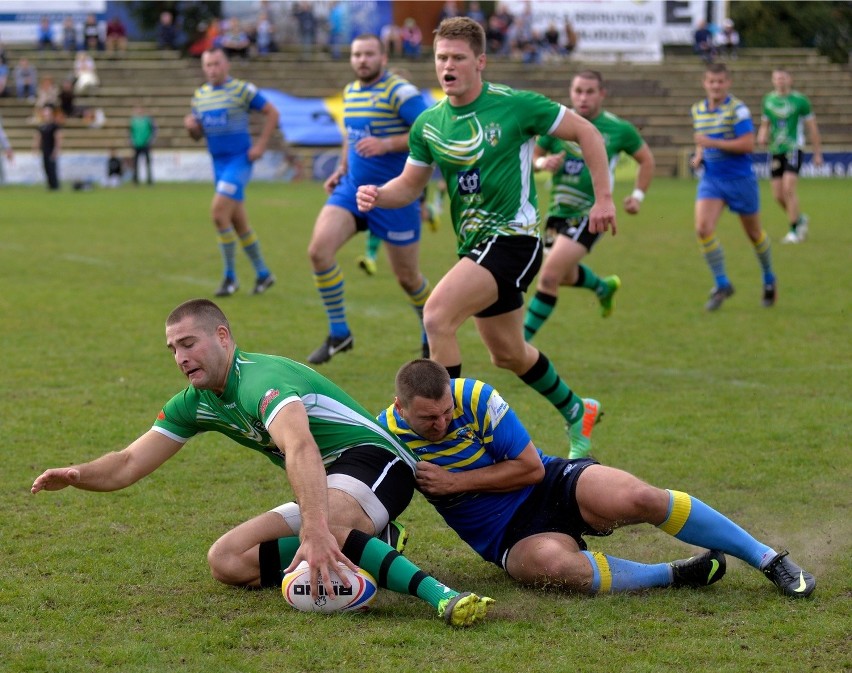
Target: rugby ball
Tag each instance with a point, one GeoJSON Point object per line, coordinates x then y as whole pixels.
{"type": "Point", "coordinates": [296, 588]}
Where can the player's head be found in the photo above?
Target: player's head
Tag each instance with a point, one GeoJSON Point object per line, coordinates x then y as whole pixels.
{"type": "Point", "coordinates": [717, 81]}
{"type": "Point", "coordinates": [782, 81]}
{"type": "Point", "coordinates": [587, 93]}
{"type": "Point", "coordinates": [215, 65]}
{"type": "Point", "coordinates": [368, 58]}
{"type": "Point", "coordinates": [424, 399]}
{"type": "Point", "coordinates": [199, 336]}
{"type": "Point", "coordinates": [460, 58]}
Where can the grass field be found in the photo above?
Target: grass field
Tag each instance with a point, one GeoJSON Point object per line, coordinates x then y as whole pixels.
{"type": "Point", "coordinates": [747, 409]}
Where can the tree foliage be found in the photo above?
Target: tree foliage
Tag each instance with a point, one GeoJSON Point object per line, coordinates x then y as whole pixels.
{"type": "Point", "coordinates": [824, 25]}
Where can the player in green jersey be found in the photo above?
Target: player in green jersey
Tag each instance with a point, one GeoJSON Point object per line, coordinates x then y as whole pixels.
{"type": "Point", "coordinates": [572, 195]}
{"type": "Point", "coordinates": [481, 137]}
{"type": "Point", "coordinates": [350, 476]}
{"type": "Point", "coordinates": [786, 115]}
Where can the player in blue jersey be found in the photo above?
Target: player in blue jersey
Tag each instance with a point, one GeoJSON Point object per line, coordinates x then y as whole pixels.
{"type": "Point", "coordinates": [724, 141]}
{"type": "Point", "coordinates": [220, 113]}
{"type": "Point", "coordinates": [350, 475]}
{"type": "Point", "coordinates": [527, 512]}
{"type": "Point", "coordinates": [378, 110]}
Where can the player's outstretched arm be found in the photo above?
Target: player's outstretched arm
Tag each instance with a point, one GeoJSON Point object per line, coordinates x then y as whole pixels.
{"type": "Point", "coordinates": [112, 471]}
{"type": "Point", "coordinates": [396, 193]}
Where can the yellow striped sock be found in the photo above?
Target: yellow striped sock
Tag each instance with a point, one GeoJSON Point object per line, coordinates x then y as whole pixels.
{"type": "Point", "coordinates": [604, 571]}
{"type": "Point", "coordinates": [681, 506]}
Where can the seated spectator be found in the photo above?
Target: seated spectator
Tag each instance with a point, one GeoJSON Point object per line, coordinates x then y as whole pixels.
{"type": "Point", "coordinates": [116, 37]}
{"type": "Point", "coordinates": [115, 169]}
{"type": "Point", "coordinates": [495, 37]}
{"type": "Point", "coordinates": [728, 39]}
{"type": "Point", "coordinates": [552, 40]}
{"type": "Point", "coordinates": [449, 11]}
{"type": "Point", "coordinates": [85, 74]}
{"type": "Point", "coordinates": [47, 93]}
{"type": "Point", "coordinates": [390, 36]}
{"type": "Point", "coordinates": [534, 47]}
{"type": "Point", "coordinates": [235, 42]}
{"type": "Point", "coordinates": [92, 40]}
{"type": "Point", "coordinates": [307, 23]}
{"type": "Point", "coordinates": [44, 35]}
{"type": "Point", "coordinates": [411, 38]}
{"type": "Point", "coordinates": [167, 37]}
{"type": "Point", "coordinates": [69, 34]}
{"type": "Point", "coordinates": [264, 35]}
{"type": "Point", "coordinates": [26, 80]}
{"type": "Point", "coordinates": [474, 11]}
{"type": "Point", "coordinates": [68, 108]}
{"type": "Point", "coordinates": [703, 42]}
{"type": "Point", "coordinates": [211, 36]}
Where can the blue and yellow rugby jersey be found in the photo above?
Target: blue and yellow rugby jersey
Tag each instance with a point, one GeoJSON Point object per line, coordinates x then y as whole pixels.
{"type": "Point", "coordinates": [386, 108]}
{"type": "Point", "coordinates": [484, 431]}
{"type": "Point", "coordinates": [223, 112]}
{"type": "Point", "coordinates": [730, 120]}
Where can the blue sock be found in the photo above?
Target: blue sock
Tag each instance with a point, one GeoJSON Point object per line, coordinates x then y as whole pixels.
{"type": "Point", "coordinates": [228, 246]}
{"type": "Point", "coordinates": [693, 522]}
{"type": "Point", "coordinates": [251, 246]}
{"type": "Point", "coordinates": [715, 258]}
{"type": "Point", "coordinates": [612, 575]}
{"type": "Point", "coordinates": [330, 286]}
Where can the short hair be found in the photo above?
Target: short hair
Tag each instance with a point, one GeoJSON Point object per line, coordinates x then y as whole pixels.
{"type": "Point", "coordinates": [205, 312]}
{"type": "Point", "coordinates": [591, 74]}
{"type": "Point", "coordinates": [421, 378]}
{"type": "Point", "coordinates": [717, 69]}
{"type": "Point", "coordinates": [462, 28]}
{"type": "Point", "coordinates": [215, 50]}
{"type": "Point", "coordinates": [371, 36]}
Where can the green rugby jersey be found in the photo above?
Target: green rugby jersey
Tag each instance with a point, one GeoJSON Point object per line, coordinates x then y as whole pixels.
{"type": "Point", "coordinates": [484, 151]}
{"type": "Point", "coordinates": [572, 193]}
{"type": "Point", "coordinates": [258, 388]}
{"type": "Point", "coordinates": [786, 116]}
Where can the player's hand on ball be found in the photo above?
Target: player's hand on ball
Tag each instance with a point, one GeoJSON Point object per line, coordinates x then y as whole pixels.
{"type": "Point", "coordinates": [56, 479]}
{"type": "Point", "coordinates": [366, 197]}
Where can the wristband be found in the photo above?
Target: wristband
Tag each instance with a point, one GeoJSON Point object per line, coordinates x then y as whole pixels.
{"type": "Point", "coordinates": [539, 163]}
{"type": "Point", "coordinates": [638, 194]}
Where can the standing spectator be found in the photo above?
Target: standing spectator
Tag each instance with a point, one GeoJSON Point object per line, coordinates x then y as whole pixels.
{"type": "Point", "coordinates": [412, 39]}
{"type": "Point", "coordinates": [85, 74]}
{"type": "Point", "coordinates": [4, 73]}
{"type": "Point", "coordinates": [26, 80]}
{"type": "Point", "coordinates": [724, 141]}
{"type": "Point", "coordinates": [265, 35]}
{"type": "Point", "coordinates": [92, 39]}
{"type": "Point", "coordinates": [44, 35]}
{"type": "Point", "coordinates": [115, 169]}
{"type": "Point", "coordinates": [143, 132]}
{"type": "Point", "coordinates": [48, 141]}
{"type": "Point", "coordinates": [6, 149]}
{"type": "Point", "coordinates": [391, 39]}
{"type": "Point", "coordinates": [220, 112]}
{"type": "Point", "coordinates": [703, 42]}
{"type": "Point", "coordinates": [307, 22]}
{"type": "Point", "coordinates": [116, 36]}
{"type": "Point", "coordinates": [69, 34]}
{"type": "Point", "coordinates": [571, 38]}
{"type": "Point", "coordinates": [337, 25]}
{"type": "Point", "coordinates": [728, 40]}
{"type": "Point", "coordinates": [166, 32]}
{"type": "Point", "coordinates": [474, 11]}
{"type": "Point", "coordinates": [786, 114]}
{"type": "Point", "coordinates": [235, 41]}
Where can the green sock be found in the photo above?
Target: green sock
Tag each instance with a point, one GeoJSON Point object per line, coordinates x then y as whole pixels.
{"type": "Point", "coordinates": [543, 378]}
{"type": "Point", "coordinates": [392, 570]}
{"type": "Point", "coordinates": [538, 312]}
{"type": "Point", "coordinates": [587, 278]}
{"type": "Point", "coordinates": [373, 245]}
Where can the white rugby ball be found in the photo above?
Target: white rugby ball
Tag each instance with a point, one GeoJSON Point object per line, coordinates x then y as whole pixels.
{"type": "Point", "coordinates": [296, 588]}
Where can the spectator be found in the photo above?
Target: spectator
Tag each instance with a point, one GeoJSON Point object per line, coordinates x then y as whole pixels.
{"type": "Point", "coordinates": [167, 37]}
{"type": "Point", "coordinates": [4, 73]}
{"type": "Point", "coordinates": [337, 22]}
{"type": "Point", "coordinates": [552, 39]}
{"type": "Point", "coordinates": [92, 40]}
{"type": "Point", "coordinates": [5, 149]}
{"type": "Point", "coordinates": [504, 16]}
{"type": "Point", "coordinates": [143, 131]}
{"type": "Point", "coordinates": [46, 94]}
{"type": "Point", "coordinates": [307, 22]}
{"type": "Point", "coordinates": [26, 79]}
{"type": "Point", "coordinates": [115, 169]}
{"type": "Point", "coordinates": [474, 11]}
{"type": "Point", "coordinates": [69, 109]}
{"type": "Point", "coordinates": [728, 40]}
{"type": "Point", "coordinates": [703, 42]}
{"type": "Point", "coordinates": [235, 41]}
{"type": "Point", "coordinates": [495, 37]}
{"type": "Point", "coordinates": [48, 141]}
{"type": "Point", "coordinates": [211, 38]}
{"type": "Point", "coordinates": [44, 36]}
{"type": "Point", "coordinates": [69, 34]}
{"type": "Point", "coordinates": [264, 35]}
{"type": "Point", "coordinates": [391, 39]}
{"type": "Point", "coordinates": [570, 38]}
{"type": "Point", "coordinates": [85, 74]}
{"type": "Point", "coordinates": [534, 47]}
{"type": "Point", "coordinates": [116, 37]}
{"type": "Point", "coordinates": [450, 10]}
{"type": "Point", "coordinates": [411, 38]}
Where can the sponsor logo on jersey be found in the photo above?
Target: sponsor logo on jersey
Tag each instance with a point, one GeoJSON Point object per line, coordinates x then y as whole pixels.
{"type": "Point", "coordinates": [161, 416]}
{"type": "Point", "coordinates": [469, 182]}
{"type": "Point", "coordinates": [270, 395]}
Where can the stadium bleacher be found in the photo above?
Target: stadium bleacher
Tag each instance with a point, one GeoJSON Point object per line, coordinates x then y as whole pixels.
{"type": "Point", "coordinates": [655, 97]}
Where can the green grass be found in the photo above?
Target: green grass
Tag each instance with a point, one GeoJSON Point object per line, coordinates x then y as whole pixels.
{"type": "Point", "coordinates": [747, 409]}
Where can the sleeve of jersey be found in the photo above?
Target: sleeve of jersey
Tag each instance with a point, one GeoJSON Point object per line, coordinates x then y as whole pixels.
{"type": "Point", "coordinates": [547, 143]}
{"type": "Point", "coordinates": [537, 114]}
{"type": "Point", "coordinates": [496, 418]}
{"type": "Point", "coordinates": [633, 140]}
{"type": "Point", "coordinates": [256, 100]}
{"type": "Point", "coordinates": [742, 121]}
{"type": "Point", "coordinates": [176, 421]}
{"type": "Point", "coordinates": [419, 152]}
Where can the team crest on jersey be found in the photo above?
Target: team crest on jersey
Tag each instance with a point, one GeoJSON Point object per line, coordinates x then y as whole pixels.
{"type": "Point", "coordinates": [492, 133]}
{"type": "Point", "coordinates": [464, 433]}
{"type": "Point", "coordinates": [469, 182]}
{"type": "Point", "coordinates": [270, 395]}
